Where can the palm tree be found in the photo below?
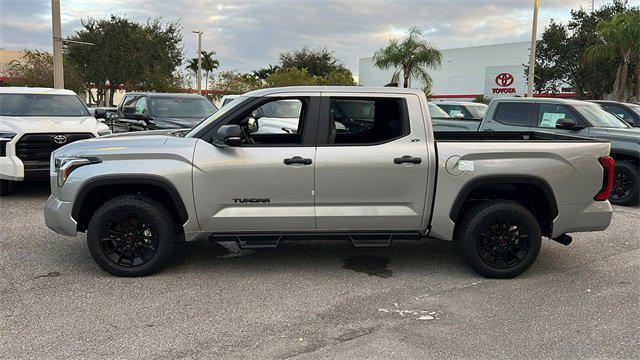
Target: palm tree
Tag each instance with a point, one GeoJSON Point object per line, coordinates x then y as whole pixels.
{"type": "Point", "coordinates": [264, 73]}
{"type": "Point", "coordinates": [208, 64]}
{"type": "Point", "coordinates": [411, 56]}
{"type": "Point", "coordinates": [620, 41]}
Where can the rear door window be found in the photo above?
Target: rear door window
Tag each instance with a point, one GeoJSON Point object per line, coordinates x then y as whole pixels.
{"type": "Point", "coordinates": [514, 113]}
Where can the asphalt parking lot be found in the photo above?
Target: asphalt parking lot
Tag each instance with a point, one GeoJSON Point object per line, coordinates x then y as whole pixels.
{"type": "Point", "coordinates": [316, 300]}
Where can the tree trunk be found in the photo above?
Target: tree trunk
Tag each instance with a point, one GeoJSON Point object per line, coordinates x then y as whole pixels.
{"type": "Point", "coordinates": [636, 95]}
{"type": "Point", "coordinates": [206, 84]}
{"type": "Point", "coordinates": [623, 81]}
{"type": "Point", "coordinates": [111, 93]}
{"type": "Point", "coordinates": [406, 80]}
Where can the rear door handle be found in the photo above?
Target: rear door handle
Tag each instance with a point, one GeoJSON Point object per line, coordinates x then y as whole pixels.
{"type": "Point", "coordinates": [407, 159]}
{"type": "Point", "coordinates": [297, 160]}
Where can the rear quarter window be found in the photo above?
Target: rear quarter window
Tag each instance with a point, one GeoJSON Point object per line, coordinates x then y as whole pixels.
{"type": "Point", "coordinates": [514, 114]}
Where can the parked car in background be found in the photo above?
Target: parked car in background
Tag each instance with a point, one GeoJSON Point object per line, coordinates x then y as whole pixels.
{"type": "Point", "coordinates": [463, 109]}
{"type": "Point", "coordinates": [362, 165]}
{"type": "Point", "coordinates": [436, 112]}
{"type": "Point", "coordinates": [227, 99]}
{"type": "Point", "coordinates": [626, 111]}
{"type": "Point", "coordinates": [158, 111]}
{"type": "Point", "coordinates": [33, 123]}
{"type": "Point", "coordinates": [569, 117]}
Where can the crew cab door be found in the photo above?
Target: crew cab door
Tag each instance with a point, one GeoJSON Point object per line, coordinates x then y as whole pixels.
{"type": "Point", "coordinates": [266, 183]}
{"type": "Point", "coordinates": [371, 163]}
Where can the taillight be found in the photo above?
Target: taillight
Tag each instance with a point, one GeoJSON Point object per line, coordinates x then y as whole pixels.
{"type": "Point", "coordinates": [607, 164]}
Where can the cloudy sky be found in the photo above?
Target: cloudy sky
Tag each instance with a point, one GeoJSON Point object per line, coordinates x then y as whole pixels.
{"type": "Point", "coordinates": [248, 34]}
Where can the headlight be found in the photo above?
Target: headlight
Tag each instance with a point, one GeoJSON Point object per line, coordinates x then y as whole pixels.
{"type": "Point", "coordinates": [6, 135]}
{"type": "Point", "coordinates": [104, 132]}
{"type": "Point", "coordinates": [64, 165]}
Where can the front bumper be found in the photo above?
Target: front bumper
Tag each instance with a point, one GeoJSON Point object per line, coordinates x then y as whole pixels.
{"type": "Point", "coordinates": [57, 216]}
{"type": "Point", "coordinates": [11, 168]}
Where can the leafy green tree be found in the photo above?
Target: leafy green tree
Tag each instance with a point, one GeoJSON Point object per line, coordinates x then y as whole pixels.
{"type": "Point", "coordinates": [317, 62]}
{"type": "Point", "coordinates": [620, 42]}
{"type": "Point", "coordinates": [560, 55]}
{"type": "Point", "coordinates": [35, 69]}
{"type": "Point", "coordinates": [264, 73]}
{"type": "Point", "coordinates": [291, 77]}
{"type": "Point", "coordinates": [234, 82]}
{"type": "Point", "coordinates": [411, 56]}
{"type": "Point", "coordinates": [140, 56]}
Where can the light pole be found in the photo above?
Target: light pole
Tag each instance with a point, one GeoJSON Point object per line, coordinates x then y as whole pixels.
{"type": "Point", "coordinates": [532, 56]}
{"type": "Point", "coordinates": [199, 79]}
{"type": "Point", "coordinates": [56, 27]}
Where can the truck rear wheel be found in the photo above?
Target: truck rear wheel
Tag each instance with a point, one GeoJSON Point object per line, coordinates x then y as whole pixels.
{"type": "Point", "coordinates": [4, 187]}
{"type": "Point", "coordinates": [499, 239]}
{"type": "Point", "coordinates": [626, 184]}
{"type": "Point", "coordinates": [131, 235]}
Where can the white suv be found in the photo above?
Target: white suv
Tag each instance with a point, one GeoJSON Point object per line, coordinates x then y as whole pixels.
{"type": "Point", "coordinates": [33, 123]}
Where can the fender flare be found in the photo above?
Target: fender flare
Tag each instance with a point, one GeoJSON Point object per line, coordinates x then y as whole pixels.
{"type": "Point", "coordinates": [154, 180]}
{"type": "Point", "coordinates": [500, 179]}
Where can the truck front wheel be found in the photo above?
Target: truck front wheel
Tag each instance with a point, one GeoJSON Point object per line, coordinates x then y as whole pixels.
{"type": "Point", "coordinates": [131, 235]}
{"type": "Point", "coordinates": [4, 187]}
{"type": "Point", "coordinates": [499, 239]}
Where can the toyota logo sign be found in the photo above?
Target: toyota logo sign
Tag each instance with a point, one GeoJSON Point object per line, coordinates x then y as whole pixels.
{"type": "Point", "coordinates": [504, 79]}
{"type": "Point", "coordinates": [60, 139]}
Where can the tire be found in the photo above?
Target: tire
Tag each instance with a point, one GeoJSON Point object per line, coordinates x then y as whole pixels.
{"type": "Point", "coordinates": [494, 249]}
{"type": "Point", "coordinates": [4, 187]}
{"type": "Point", "coordinates": [626, 184]}
{"type": "Point", "coordinates": [132, 235]}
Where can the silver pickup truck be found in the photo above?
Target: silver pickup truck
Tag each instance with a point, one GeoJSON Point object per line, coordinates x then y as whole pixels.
{"type": "Point", "coordinates": [567, 117]}
{"type": "Point", "coordinates": [363, 165]}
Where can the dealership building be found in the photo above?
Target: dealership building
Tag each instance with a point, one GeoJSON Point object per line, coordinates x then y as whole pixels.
{"type": "Point", "coordinates": [465, 73]}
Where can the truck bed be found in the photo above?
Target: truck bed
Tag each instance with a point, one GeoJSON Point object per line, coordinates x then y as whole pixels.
{"type": "Point", "coordinates": [484, 136]}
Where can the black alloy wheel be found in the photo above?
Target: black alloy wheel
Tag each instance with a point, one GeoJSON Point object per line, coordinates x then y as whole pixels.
{"type": "Point", "coordinates": [504, 243]}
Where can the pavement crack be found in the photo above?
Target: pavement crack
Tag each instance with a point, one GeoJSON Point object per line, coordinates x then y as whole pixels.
{"type": "Point", "coordinates": [337, 340]}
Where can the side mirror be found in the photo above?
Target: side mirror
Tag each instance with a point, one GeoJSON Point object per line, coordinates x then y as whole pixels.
{"type": "Point", "coordinates": [228, 135]}
{"type": "Point", "coordinates": [567, 124]}
{"type": "Point", "coordinates": [100, 113]}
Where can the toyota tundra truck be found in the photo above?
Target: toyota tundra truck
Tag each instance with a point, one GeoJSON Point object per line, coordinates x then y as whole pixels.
{"type": "Point", "coordinates": [33, 123]}
{"type": "Point", "coordinates": [362, 164]}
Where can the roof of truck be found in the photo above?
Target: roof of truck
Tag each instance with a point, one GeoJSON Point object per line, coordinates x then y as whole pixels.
{"type": "Point", "coordinates": [341, 89]}
{"type": "Point", "coordinates": [544, 100]}
{"type": "Point", "coordinates": [155, 94]}
{"type": "Point", "coordinates": [34, 90]}
{"type": "Point", "coordinates": [453, 102]}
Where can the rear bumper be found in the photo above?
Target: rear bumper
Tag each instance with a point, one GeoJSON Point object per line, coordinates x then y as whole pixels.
{"type": "Point", "coordinates": [593, 216]}
{"type": "Point", "coordinates": [57, 216]}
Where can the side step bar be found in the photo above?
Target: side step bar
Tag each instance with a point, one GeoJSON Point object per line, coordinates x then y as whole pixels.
{"type": "Point", "coordinates": [366, 239]}
{"type": "Point", "coordinates": [563, 239]}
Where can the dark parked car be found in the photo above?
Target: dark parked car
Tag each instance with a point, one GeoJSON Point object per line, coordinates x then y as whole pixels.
{"type": "Point", "coordinates": [160, 111]}
{"type": "Point", "coordinates": [628, 112]}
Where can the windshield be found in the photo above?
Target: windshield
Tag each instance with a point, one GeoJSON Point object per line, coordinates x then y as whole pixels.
{"type": "Point", "coordinates": [216, 116]}
{"type": "Point", "coordinates": [599, 117]}
{"type": "Point", "coordinates": [181, 107]}
{"type": "Point", "coordinates": [436, 112]}
{"type": "Point", "coordinates": [477, 110]}
{"type": "Point", "coordinates": [41, 105]}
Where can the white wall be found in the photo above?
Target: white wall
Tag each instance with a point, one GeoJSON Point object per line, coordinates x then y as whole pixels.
{"type": "Point", "coordinates": [463, 71]}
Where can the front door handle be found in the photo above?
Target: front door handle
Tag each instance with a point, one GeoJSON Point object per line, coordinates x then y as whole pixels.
{"type": "Point", "coordinates": [407, 159]}
{"type": "Point", "coordinates": [297, 160]}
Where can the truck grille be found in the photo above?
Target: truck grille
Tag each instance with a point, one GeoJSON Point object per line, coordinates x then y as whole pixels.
{"type": "Point", "coordinates": [35, 149]}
